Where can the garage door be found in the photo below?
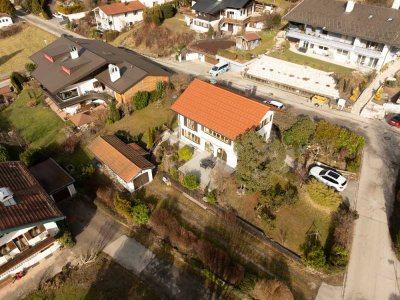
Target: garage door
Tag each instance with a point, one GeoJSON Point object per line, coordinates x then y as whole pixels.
{"type": "Point", "coordinates": [141, 180]}
{"type": "Point", "coordinates": [61, 195]}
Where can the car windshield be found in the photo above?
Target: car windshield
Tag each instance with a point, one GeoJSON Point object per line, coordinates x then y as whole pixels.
{"type": "Point", "coordinates": [396, 118]}
{"type": "Point", "coordinates": [333, 174]}
{"type": "Point", "coordinates": [214, 68]}
{"type": "Point", "coordinates": [323, 172]}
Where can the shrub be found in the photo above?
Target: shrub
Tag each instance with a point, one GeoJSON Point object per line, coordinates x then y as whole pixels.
{"type": "Point", "coordinates": [300, 133]}
{"type": "Point", "coordinates": [168, 11]}
{"type": "Point", "coordinates": [339, 256]}
{"type": "Point", "coordinates": [87, 171]}
{"type": "Point", "coordinates": [7, 7]}
{"type": "Point", "coordinates": [354, 165]}
{"type": "Point", "coordinates": [141, 99]}
{"type": "Point", "coordinates": [191, 181]}
{"type": "Point", "coordinates": [212, 197]}
{"type": "Point", "coordinates": [64, 236]}
{"type": "Point", "coordinates": [185, 153]}
{"type": "Point", "coordinates": [160, 89]}
{"type": "Point", "coordinates": [313, 253]}
{"type": "Point", "coordinates": [110, 35]}
{"type": "Point", "coordinates": [113, 115]}
{"type": "Point", "coordinates": [174, 173]}
{"type": "Point", "coordinates": [30, 67]}
{"type": "Point", "coordinates": [3, 153]}
{"type": "Point", "coordinates": [10, 31]}
{"type": "Point", "coordinates": [71, 9]}
{"type": "Point", "coordinates": [17, 81]}
{"type": "Point", "coordinates": [122, 205]}
{"type": "Point", "coordinates": [280, 195]}
{"type": "Point", "coordinates": [32, 155]}
{"type": "Point", "coordinates": [140, 214]}
{"type": "Point", "coordinates": [323, 195]}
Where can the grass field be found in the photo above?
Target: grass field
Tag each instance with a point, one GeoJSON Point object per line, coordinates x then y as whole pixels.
{"type": "Point", "coordinates": [39, 126]}
{"type": "Point", "coordinates": [139, 121]}
{"type": "Point", "coordinates": [15, 50]}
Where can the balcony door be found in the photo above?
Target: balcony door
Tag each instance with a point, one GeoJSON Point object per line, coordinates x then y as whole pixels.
{"type": "Point", "coordinates": [221, 154]}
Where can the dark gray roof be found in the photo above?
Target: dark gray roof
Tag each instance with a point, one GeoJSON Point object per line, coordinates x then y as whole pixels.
{"type": "Point", "coordinates": [94, 56]}
{"type": "Point", "coordinates": [214, 6]}
{"type": "Point", "coordinates": [51, 176]}
{"type": "Point", "coordinates": [374, 23]}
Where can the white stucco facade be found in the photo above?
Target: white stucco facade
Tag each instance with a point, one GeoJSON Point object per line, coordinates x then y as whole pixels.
{"type": "Point", "coordinates": [117, 22]}
{"type": "Point", "coordinates": [5, 21]}
{"type": "Point", "coordinates": [151, 3]}
{"type": "Point", "coordinates": [221, 148]}
{"type": "Point", "coordinates": [29, 237]}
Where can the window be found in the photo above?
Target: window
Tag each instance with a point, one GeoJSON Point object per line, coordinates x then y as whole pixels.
{"type": "Point", "coordinates": [69, 94]}
{"type": "Point", "coordinates": [190, 124]}
{"type": "Point", "coordinates": [126, 14]}
{"type": "Point", "coordinates": [135, 13]}
{"type": "Point", "coordinates": [96, 85]}
{"type": "Point", "coordinates": [342, 52]}
{"type": "Point", "coordinates": [217, 135]}
{"type": "Point", "coordinates": [361, 59]}
{"type": "Point", "coordinates": [190, 136]}
{"type": "Point", "coordinates": [372, 62]}
{"type": "Point", "coordinates": [263, 123]}
{"type": "Point", "coordinates": [323, 48]}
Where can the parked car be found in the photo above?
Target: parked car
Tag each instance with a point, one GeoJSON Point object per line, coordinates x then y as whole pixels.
{"type": "Point", "coordinates": [395, 121]}
{"type": "Point", "coordinates": [329, 177]}
{"type": "Point", "coordinates": [319, 100]}
{"type": "Point", "coordinates": [275, 103]}
{"type": "Point", "coordinates": [219, 69]}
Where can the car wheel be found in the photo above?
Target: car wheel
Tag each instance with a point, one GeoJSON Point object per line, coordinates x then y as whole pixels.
{"type": "Point", "coordinates": [316, 104]}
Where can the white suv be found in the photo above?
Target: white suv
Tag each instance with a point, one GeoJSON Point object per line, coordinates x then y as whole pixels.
{"type": "Point", "coordinates": [329, 177]}
{"type": "Point", "coordinates": [218, 69]}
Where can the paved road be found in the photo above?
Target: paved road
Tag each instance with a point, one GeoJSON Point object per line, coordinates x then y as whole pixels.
{"type": "Point", "coordinates": [49, 26]}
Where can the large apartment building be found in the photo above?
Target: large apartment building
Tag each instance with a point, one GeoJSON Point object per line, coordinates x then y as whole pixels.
{"type": "Point", "coordinates": [230, 16]}
{"type": "Point", "coordinates": [211, 118]}
{"type": "Point", "coordinates": [80, 73]}
{"type": "Point", "coordinates": [28, 220]}
{"type": "Point", "coordinates": [350, 33]}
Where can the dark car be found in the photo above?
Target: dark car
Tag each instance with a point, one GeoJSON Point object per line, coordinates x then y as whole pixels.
{"type": "Point", "coordinates": [395, 121]}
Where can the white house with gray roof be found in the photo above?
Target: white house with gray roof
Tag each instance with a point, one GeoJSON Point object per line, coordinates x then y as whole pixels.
{"type": "Point", "coordinates": [359, 35]}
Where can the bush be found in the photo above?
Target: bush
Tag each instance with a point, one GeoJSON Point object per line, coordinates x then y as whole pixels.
{"type": "Point", "coordinates": [323, 195]}
{"type": "Point", "coordinates": [113, 115]}
{"type": "Point", "coordinates": [280, 195]}
{"type": "Point", "coordinates": [110, 35]}
{"type": "Point", "coordinates": [339, 256]}
{"type": "Point", "coordinates": [300, 133]}
{"type": "Point", "coordinates": [141, 99]}
{"type": "Point", "coordinates": [122, 204]}
{"type": "Point", "coordinates": [3, 153]}
{"type": "Point", "coordinates": [64, 236]}
{"type": "Point", "coordinates": [140, 214]}
{"type": "Point", "coordinates": [313, 253]}
{"type": "Point", "coordinates": [72, 9]}
{"type": "Point", "coordinates": [30, 67]}
{"type": "Point", "coordinates": [32, 156]}
{"type": "Point", "coordinates": [7, 7]}
{"type": "Point", "coordinates": [185, 153]}
{"type": "Point", "coordinates": [354, 165]}
{"type": "Point", "coordinates": [212, 197]}
{"type": "Point", "coordinates": [10, 31]}
{"type": "Point", "coordinates": [191, 182]}
{"type": "Point", "coordinates": [168, 11]}
{"type": "Point", "coordinates": [17, 81]}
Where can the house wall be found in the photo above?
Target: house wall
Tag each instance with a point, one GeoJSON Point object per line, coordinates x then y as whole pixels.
{"type": "Point", "coordinates": [84, 87]}
{"type": "Point", "coordinates": [117, 22]}
{"type": "Point", "coordinates": [5, 21]}
{"type": "Point", "coordinates": [151, 3]}
{"type": "Point", "coordinates": [231, 156]}
{"type": "Point", "coordinates": [128, 185]}
{"type": "Point", "coordinates": [146, 84]}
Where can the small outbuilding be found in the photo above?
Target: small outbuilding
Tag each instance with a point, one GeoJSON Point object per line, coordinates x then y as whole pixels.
{"type": "Point", "coordinates": [54, 179]}
{"type": "Point", "coordinates": [248, 41]}
{"type": "Point", "coordinates": [124, 163]}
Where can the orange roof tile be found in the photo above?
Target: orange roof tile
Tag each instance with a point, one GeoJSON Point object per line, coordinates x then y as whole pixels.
{"type": "Point", "coordinates": [225, 112]}
{"type": "Point", "coordinates": [122, 159]}
{"type": "Point", "coordinates": [120, 8]}
{"type": "Point", "coordinates": [251, 36]}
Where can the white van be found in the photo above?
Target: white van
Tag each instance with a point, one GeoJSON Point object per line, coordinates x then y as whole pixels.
{"type": "Point", "coordinates": [218, 69]}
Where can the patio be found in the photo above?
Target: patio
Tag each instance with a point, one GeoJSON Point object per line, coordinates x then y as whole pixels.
{"type": "Point", "coordinates": [196, 167]}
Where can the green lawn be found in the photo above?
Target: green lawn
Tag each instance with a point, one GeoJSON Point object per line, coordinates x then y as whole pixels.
{"type": "Point", "coordinates": [309, 61]}
{"type": "Point", "coordinates": [15, 50]}
{"type": "Point", "coordinates": [39, 126]}
{"type": "Point", "coordinates": [139, 121]}
{"type": "Point", "coordinates": [267, 42]}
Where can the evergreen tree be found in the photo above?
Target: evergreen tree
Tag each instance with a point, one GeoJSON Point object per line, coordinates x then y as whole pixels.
{"type": "Point", "coordinates": [114, 114]}
{"type": "Point", "coordinates": [36, 7]}
{"type": "Point", "coordinates": [3, 153]}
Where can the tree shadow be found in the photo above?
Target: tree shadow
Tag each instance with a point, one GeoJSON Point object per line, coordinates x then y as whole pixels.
{"type": "Point", "coordinates": [5, 58]}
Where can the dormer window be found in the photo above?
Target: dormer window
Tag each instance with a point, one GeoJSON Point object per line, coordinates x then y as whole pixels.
{"type": "Point", "coordinates": [49, 58]}
{"type": "Point", "coordinates": [66, 70]}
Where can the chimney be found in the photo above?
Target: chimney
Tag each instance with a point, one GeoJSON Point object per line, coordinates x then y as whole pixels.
{"type": "Point", "coordinates": [6, 196]}
{"type": "Point", "coordinates": [396, 4]}
{"type": "Point", "coordinates": [114, 72]}
{"type": "Point", "coordinates": [349, 6]}
{"type": "Point", "coordinates": [73, 51]}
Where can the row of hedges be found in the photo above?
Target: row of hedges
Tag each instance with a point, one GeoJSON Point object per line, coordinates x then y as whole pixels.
{"type": "Point", "coordinates": [71, 9]}
{"type": "Point", "coordinates": [159, 13]}
{"type": "Point", "coordinates": [142, 98]}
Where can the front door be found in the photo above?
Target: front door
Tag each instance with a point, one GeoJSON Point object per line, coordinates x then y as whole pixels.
{"type": "Point", "coordinates": [221, 154]}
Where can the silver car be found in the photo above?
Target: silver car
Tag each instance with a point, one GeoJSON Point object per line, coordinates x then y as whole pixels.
{"type": "Point", "coordinates": [329, 177]}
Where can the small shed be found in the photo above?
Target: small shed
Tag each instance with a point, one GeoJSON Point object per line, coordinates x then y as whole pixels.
{"type": "Point", "coordinates": [54, 179]}
{"type": "Point", "coordinates": [5, 20]}
{"type": "Point", "coordinates": [248, 41]}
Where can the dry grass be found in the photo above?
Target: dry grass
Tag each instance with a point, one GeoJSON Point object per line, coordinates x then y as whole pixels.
{"type": "Point", "coordinates": [15, 50]}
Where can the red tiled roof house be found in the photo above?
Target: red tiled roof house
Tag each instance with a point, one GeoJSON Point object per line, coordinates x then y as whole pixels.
{"type": "Point", "coordinates": [124, 163]}
{"type": "Point", "coordinates": [211, 118]}
{"type": "Point", "coordinates": [117, 16]}
{"type": "Point", "coordinates": [27, 222]}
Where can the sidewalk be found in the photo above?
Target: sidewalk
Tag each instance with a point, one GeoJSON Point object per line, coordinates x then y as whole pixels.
{"type": "Point", "coordinates": [375, 84]}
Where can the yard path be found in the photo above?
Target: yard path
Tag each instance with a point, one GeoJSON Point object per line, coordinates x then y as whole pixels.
{"type": "Point", "coordinates": [171, 281]}
{"type": "Point", "coordinates": [375, 84]}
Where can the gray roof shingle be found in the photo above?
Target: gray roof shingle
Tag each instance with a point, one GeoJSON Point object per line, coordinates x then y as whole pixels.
{"type": "Point", "coordinates": [214, 6]}
{"type": "Point", "coordinates": [374, 23]}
